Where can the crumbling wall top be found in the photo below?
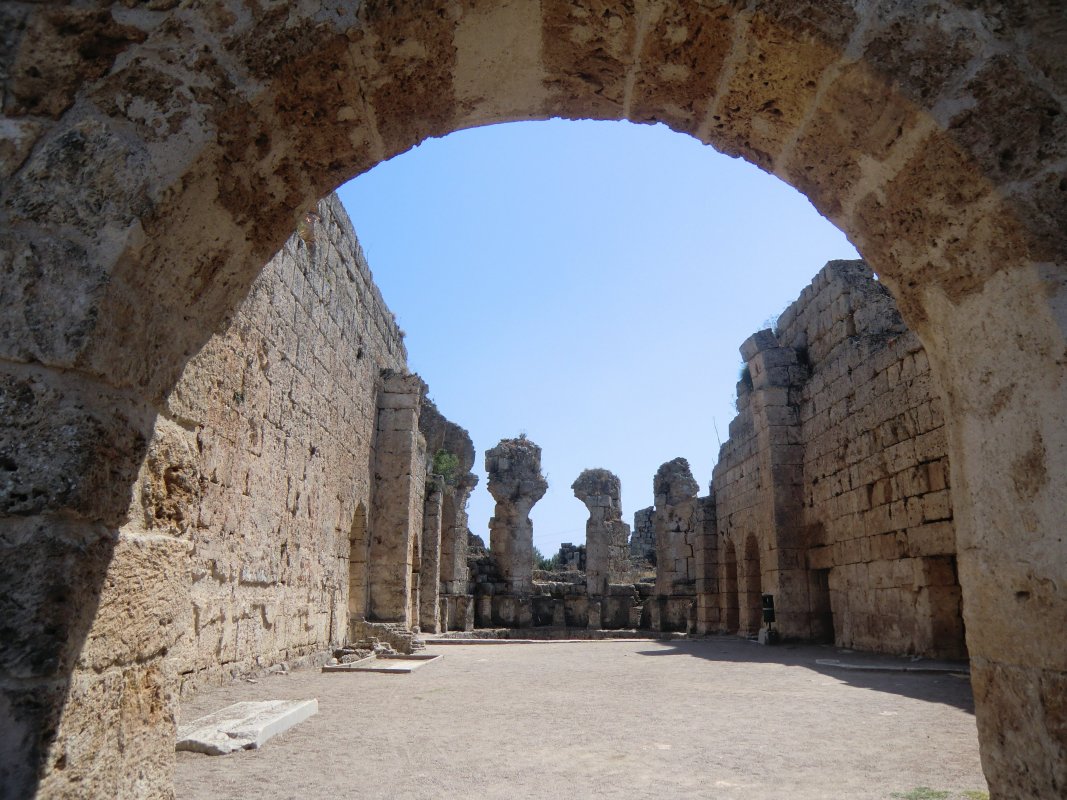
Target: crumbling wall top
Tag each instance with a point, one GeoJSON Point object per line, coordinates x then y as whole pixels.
{"type": "Point", "coordinates": [514, 470]}
{"type": "Point", "coordinates": [674, 483]}
{"type": "Point", "coordinates": [599, 488]}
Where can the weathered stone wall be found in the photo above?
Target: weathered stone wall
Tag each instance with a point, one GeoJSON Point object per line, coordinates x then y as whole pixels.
{"type": "Point", "coordinates": [400, 471]}
{"type": "Point", "coordinates": [643, 539]}
{"type": "Point", "coordinates": [154, 156]}
{"type": "Point", "coordinates": [261, 462]}
{"type": "Point", "coordinates": [831, 492]}
{"type": "Point", "coordinates": [678, 528]}
{"type": "Point", "coordinates": [572, 556]}
{"type": "Point", "coordinates": [606, 535]}
{"type": "Point", "coordinates": [451, 453]}
{"type": "Point", "coordinates": [516, 484]}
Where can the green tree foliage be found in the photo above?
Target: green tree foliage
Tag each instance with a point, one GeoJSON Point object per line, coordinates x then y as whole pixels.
{"type": "Point", "coordinates": [542, 562]}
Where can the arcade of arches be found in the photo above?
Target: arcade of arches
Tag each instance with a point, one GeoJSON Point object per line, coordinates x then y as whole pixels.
{"type": "Point", "coordinates": [154, 157]}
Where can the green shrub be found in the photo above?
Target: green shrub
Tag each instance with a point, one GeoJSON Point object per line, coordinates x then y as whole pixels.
{"type": "Point", "coordinates": [446, 465]}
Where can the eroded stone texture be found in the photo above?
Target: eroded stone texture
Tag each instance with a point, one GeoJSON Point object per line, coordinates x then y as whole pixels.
{"type": "Point", "coordinates": [264, 467]}
{"type": "Point", "coordinates": [430, 563]}
{"type": "Point", "coordinates": [396, 519]}
{"type": "Point", "coordinates": [516, 483]}
{"type": "Point", "coordinates": [162, 151]}
{"type": "Point", "coordinates": [677, 526]}
{"type": "Point", "coordinates": [832, 491]}
{"type": "Point", "coordinates": [606, 535]}
{"type": "Point", "coordinates": [643, 540]}
{"type": "Point", "coordinates": [572, 557]}
{"type": "Point", "coordinates": [451, 453]}
{"type": "Point", "coordinates": [708, 602]}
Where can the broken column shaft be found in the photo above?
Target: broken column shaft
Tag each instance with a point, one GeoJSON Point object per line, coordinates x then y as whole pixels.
{"type": "Point", "coordinates": [606, 535]}
{"type": "Point", "coordinates": [516, 483]}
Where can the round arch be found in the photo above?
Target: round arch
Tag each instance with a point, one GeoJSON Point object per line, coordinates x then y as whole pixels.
{"type": "Point", "coordinates": [158, 157]}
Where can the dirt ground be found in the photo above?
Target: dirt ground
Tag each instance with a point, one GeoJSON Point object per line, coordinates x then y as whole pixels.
{"type": "Point", "coordinates": [716, 718]}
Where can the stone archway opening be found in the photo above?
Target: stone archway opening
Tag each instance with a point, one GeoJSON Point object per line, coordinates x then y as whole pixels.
{"type": "Point", "coordinates": [161, 157]}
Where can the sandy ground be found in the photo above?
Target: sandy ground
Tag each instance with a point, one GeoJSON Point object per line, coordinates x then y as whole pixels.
{"type": "Point", "coordinates": [716, 718]}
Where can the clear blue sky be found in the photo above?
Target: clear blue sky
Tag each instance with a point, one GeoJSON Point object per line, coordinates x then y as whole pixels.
{"type": "Point", "coordinates": [587, 284]}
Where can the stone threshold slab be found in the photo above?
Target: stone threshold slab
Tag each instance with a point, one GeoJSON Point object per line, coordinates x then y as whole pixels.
{"type": "Point", "coordinates": [243, 726]}
{"type": "Point", "coordinates": [390, 665]}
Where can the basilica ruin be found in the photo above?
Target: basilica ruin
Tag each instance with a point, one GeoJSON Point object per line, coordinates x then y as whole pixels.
{"type": "Point", "coordinates": [213, 458]}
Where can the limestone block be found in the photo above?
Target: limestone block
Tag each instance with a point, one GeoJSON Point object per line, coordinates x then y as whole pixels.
{"type": "Point", "coordinates": [243, 726]}
{"type": "Point", "coordinates": [133, 627]}
{"type": "Point", "coordinates": [757, 343]}
{"type": "Point", "coordinates": [935, 538]}
{"type": "Point", "coordinates": [52, 571]}
{"type": "Point", "coordinates": [127, 714]}
{"type": "Point", "coordinates": [65, 442]}
{"type": "Point", "coordinates": [937, 506]}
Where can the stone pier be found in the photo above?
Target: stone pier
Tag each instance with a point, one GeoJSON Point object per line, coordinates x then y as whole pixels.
{"type": "Point", "coordinates": [516, 483]}
{"type": "Point", "coordinates": [450, 457]}
{"type": "Point", "coordinates": [606, 535]}
{"type": "Point", "coordinates": [430, 563]}
{"type": "Point", "coordinates": [607, 549]}
{"type": "Point", "coordinates": [677, 528]}
{"type": "Point", "coordinates": [396, 525]}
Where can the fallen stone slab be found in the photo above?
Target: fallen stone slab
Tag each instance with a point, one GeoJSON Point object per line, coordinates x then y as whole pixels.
{"type": "Point", "coordinates": [393, 665]}
{"type": "Point", "coordinates": [243, 726]}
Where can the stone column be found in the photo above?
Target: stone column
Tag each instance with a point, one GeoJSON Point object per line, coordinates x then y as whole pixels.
{"type": "Point", "coordinates": [606, 535]}
{"type": "Point", "coordinates": [676, 528]}
{"type": "Point", "coordinates": [399, 470]}
{"type": "Point", "coordinates": [516, 483]}
{"type": "Point", "coordinates": [455, 576]}
{"type": "Point", "coordinates": [430, 568]}
{"type": "Point", "coordinates": [707, 567]}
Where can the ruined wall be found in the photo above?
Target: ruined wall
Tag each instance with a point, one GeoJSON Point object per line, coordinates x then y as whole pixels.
{"type": "Point", "coordinates": [451, 453]}
{"type": "Point", "coordinates": [400, 470]}
{"type": "Point", "coordinates": [678, 530]}
{"type": "Point", "coordinates": [262, 461]}
{"type": "Point", "coordinates": [606, 535]}
{"type": "Point", "coordinates": [877, 509]}
{"type": "Point", "coordinates": [831, 492]}
{"type": "Point", "coordinates": [643, 540]}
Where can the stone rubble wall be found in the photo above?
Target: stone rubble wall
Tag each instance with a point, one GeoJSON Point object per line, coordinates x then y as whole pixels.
{"type": "Point", "coordinates": [572, 556]}
{"type": "Point", "coordinates": [678, 532]}
{"type": "Point", "coordinates": [452, 607]}
{"type": "Point", "coordinates": [643, 539]}
{"type": "Point", "coordinates": [261, 460]}
{"type": "Point", "coordinates": [606, 535]}
{"type": "Point", "coordinates": [832, 490]}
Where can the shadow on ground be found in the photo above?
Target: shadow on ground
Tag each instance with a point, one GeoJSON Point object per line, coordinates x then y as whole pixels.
{"type": "Point", "coordinates": [952, 689]}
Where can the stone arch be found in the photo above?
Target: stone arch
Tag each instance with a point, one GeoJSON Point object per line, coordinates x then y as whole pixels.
{"type": "Point", "coordinates": [159, 157]}
{"type": "Point", "coordinates": [358, 557]}
{"type": "Point", "coordinates": [751, 588]}
{"type": "Point", "coordinates": [729, 594]}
